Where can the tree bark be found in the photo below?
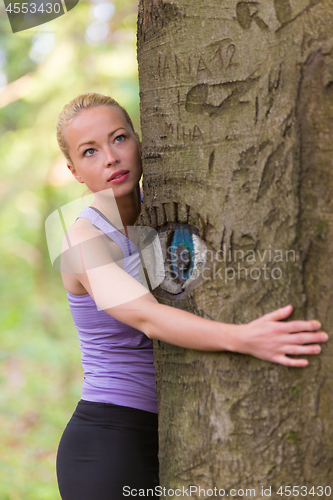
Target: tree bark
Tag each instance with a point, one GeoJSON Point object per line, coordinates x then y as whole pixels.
{"type": "Point", "coordinates": [237, 130]}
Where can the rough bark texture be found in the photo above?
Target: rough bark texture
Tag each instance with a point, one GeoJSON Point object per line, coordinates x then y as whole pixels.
{"type": "Point", "coordinates": [237, 129]}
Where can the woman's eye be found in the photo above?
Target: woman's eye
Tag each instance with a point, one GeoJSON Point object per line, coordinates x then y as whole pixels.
{"type": "Point", "coordinates": [89, 152]}
{"type": "Point", "coordinates": [184, 255]}
{"type": "Point", "coordinates": [119, 138]}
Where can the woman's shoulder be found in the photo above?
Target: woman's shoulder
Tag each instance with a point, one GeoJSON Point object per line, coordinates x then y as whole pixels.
{"type": "Point", "coordinates": [85, 241]}
{"type": "Point", "coordinates": [81, 230]}
{"type": "Point", "coordinates": [76, 239]}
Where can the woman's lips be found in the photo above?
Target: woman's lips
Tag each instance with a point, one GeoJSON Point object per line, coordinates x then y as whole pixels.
{"type": "Point", "coordinates": [116, 180]}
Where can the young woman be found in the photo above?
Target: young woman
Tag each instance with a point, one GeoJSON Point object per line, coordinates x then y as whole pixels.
{"type": "Point", "coordinates": [110, 442]}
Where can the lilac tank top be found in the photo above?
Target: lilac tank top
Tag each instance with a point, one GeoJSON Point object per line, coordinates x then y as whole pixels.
{"type": "Point", "coordinates": [117, 359]}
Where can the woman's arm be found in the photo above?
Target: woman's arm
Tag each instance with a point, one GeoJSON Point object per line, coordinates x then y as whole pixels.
{"type": "Point", "coordinates": [127, 300]}
{"type": "Point", "coordinates": [266, 337]}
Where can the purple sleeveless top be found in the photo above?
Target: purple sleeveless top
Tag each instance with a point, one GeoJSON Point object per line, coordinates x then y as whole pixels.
{"type": "Point", "coordinates": [117, 359]}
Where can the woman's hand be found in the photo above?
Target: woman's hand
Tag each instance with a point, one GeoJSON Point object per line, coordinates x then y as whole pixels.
{"type": "Point", "coordinates": [270, 339]}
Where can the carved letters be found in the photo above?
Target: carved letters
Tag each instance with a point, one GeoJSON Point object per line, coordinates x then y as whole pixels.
{"type": "Point", "coordinates": [183, 134]}
{"type": "Point", "coordinates": [219, 55]}
{"type": "Point", "coordinates": [248, 12]}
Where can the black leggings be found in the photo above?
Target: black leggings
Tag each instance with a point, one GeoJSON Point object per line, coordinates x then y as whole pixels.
{"type": "Point", "coordinates": [106, 451]}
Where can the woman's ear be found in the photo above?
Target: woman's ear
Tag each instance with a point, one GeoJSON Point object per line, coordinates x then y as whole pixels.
{"type": "Point", "coordinates": [73, 172]}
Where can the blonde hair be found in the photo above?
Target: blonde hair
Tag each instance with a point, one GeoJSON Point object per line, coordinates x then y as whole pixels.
{"type": "Point", "coordinates": [74, 107]}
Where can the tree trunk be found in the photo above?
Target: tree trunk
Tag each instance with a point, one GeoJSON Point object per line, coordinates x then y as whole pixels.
{"type": "Point", "coordinates": [237, 130]}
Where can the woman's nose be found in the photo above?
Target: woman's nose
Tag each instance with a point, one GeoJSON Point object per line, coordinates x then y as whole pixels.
{"type": "Point", "coordinates": [110, 156]}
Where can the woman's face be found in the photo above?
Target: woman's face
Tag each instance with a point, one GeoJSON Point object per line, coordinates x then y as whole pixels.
{"type": "Point", "coordinates": [102, 143]}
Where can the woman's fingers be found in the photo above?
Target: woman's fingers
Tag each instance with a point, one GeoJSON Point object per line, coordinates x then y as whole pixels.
{"type": "Point", "coordinates": [302, 350]}
{"type": "Point", "coordinates": [276, 340]}
{"type": "Point", "coordinates": [307, 338]}
{"type": "Point", "coordinates": [284, 360]}
{"type": "Point", "coordinates": [278, 314]}
{"type": "Point", "coordinates": [296, 348]}
{"type": "Point", "coordinates": [290, 326]}
{"type": "Point", "coordinates": [299, 326]}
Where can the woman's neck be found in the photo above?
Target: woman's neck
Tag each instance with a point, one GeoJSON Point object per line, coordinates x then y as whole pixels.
{"type": "Point", "coordinates": [129, 207]}
{"type": "Point", "coordinates": [122, 211]}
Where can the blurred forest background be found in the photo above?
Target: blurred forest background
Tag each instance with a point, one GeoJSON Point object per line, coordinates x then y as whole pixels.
{"type": "Point", "coordinates": [90, 49]}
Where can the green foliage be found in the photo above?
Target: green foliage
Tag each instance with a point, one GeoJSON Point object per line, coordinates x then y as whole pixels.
{"type": "Point", "coordinates": [296, 389]}
{"type": "Point", "coordinates": [40, 370]}
{"type": "Point", "coordinates": [292, 436]}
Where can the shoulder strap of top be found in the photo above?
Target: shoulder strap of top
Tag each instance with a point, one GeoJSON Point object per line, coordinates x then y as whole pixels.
{"type": "Point", "coordinates": [104, 217]}
{"type": "Point", "coordinates": [101, 222]}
